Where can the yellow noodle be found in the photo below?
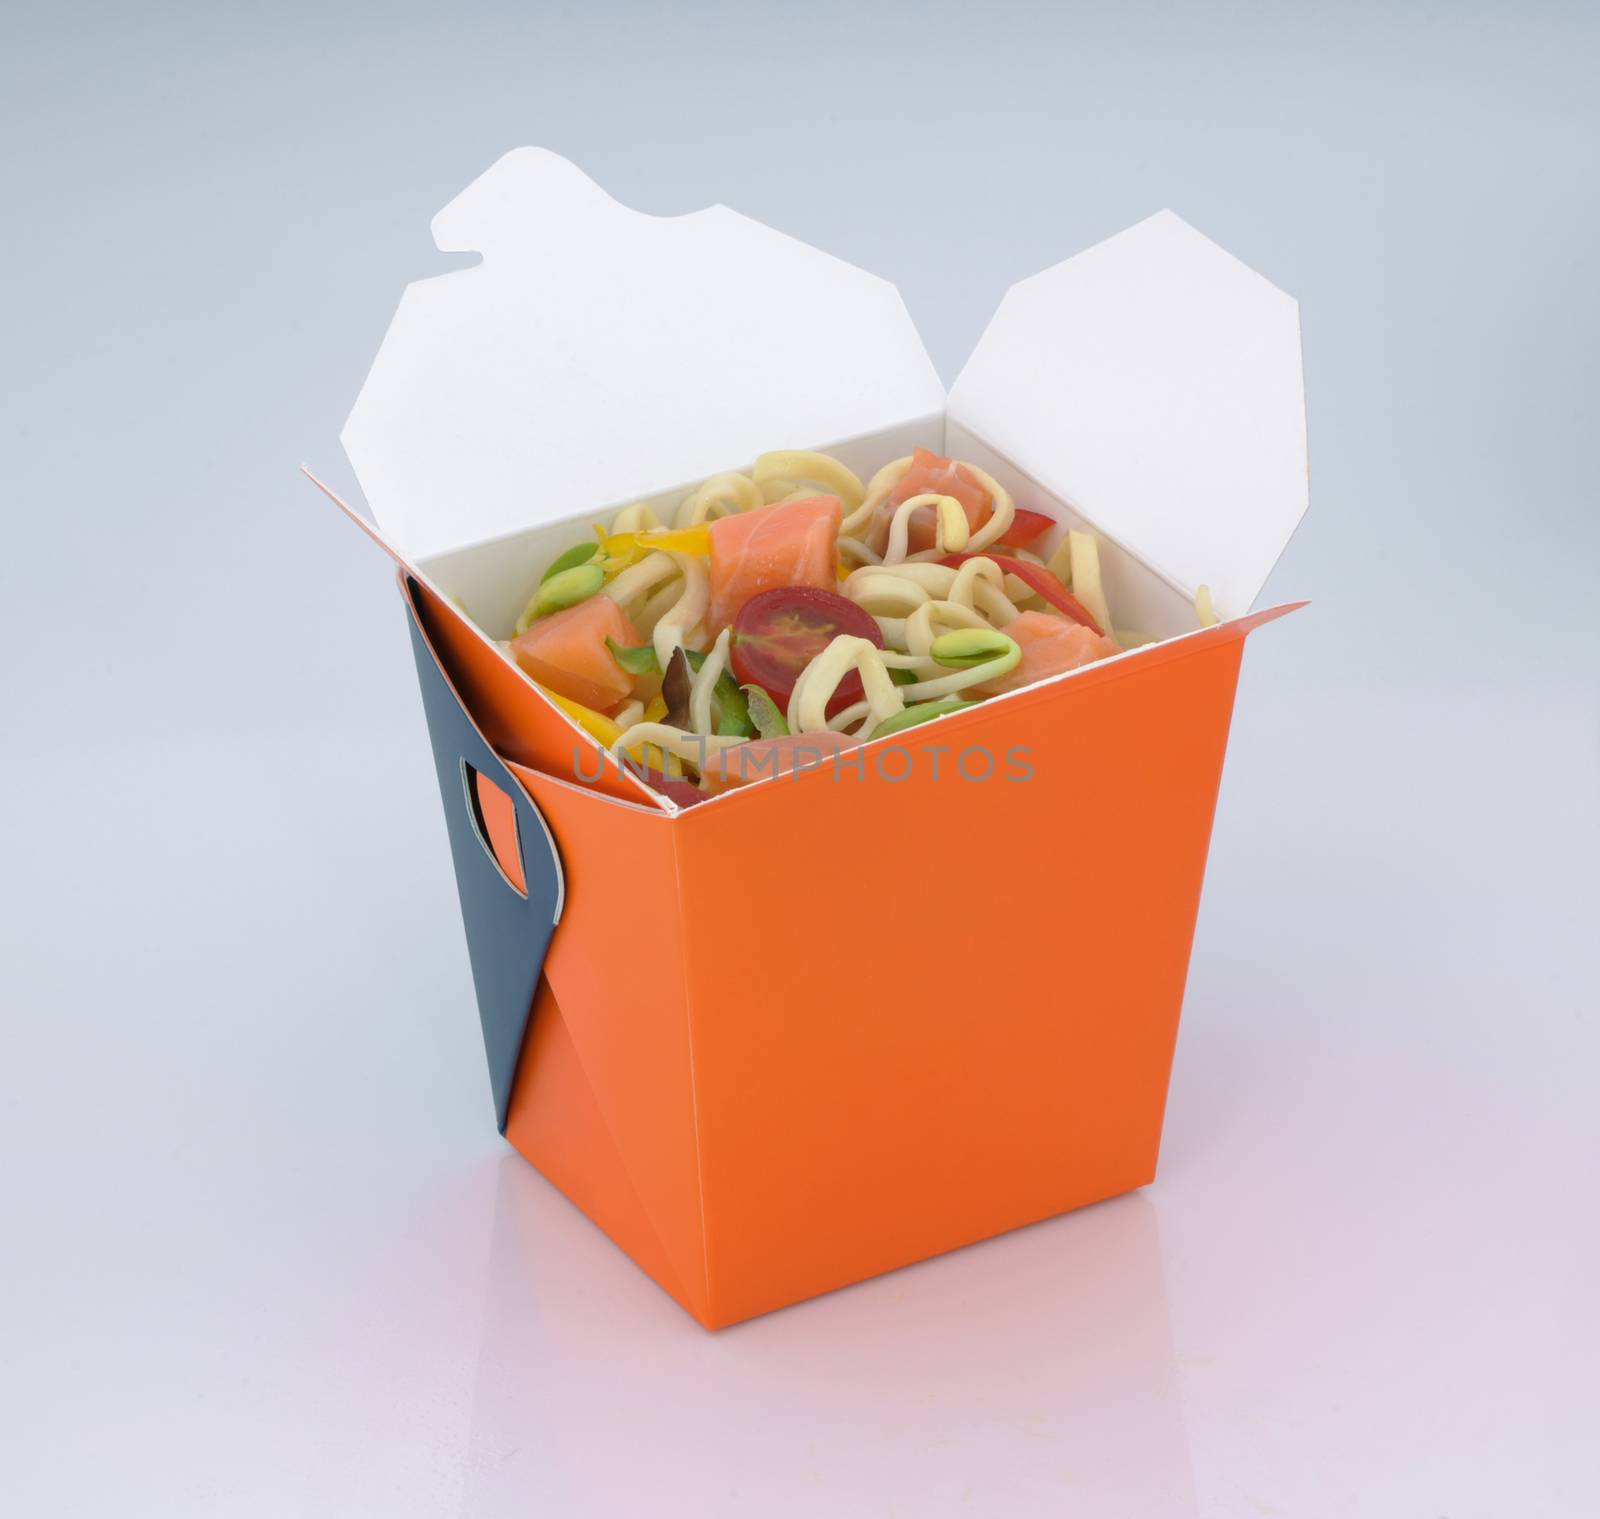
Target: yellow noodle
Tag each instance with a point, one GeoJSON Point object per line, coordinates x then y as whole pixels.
{"type": "Point", "coordinates": [705, 679]}
{"type": "Point", "coordinates": [1085, 552]}
{"type": "Point", "coordinates": [981, 584]}
{"type": "Point", "coordinates": [878, 488]}
{"type": "Point", "coordinates": [681, 622]}
{"type": "Point", "coordinates": [793, 472]}
{"type": "Point", "coordinates": [950, 526]}
{"type": "Point", "coordinates": [721, 496]}
{"type": "Point", "coordinates": [859, 551]}
{"type": "Point", "coordinates": [935, 617]}
{"type": "Point", "coordinates": [639, 579]}
{"type": "Point", "coordinates": [653, 607]}
{"type": "Point", "coordinates": [808, 703]}
{"type": "Point", "coordinates": [994, 530]}
{"type": "Point", "coordinates": [692, 748]}
{"type": "Point", "coordinates": [637, 518]}
{"type": "Point", "coordinates": [880, 592]}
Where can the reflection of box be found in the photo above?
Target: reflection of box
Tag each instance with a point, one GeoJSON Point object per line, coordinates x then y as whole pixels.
{"type": "Point", "coordinates": [824, 1026]}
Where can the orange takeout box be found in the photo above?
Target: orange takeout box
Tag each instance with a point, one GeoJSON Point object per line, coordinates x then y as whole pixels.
{"type": "Point", "coordinates": [829, 1023]}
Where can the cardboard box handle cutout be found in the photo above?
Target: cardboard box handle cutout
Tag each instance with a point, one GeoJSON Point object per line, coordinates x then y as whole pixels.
{"type": "Point", "coordinates": [508, 932]}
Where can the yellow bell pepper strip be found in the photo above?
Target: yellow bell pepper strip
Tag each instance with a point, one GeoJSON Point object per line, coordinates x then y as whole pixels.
{"type": "Point", "coordinates": [674, 540]}
{"type": "Point", "coordinates": [604, 732]}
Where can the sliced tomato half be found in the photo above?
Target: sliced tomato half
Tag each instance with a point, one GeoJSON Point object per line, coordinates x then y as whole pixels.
{"type": "Point", "coordinates": [777, 633]}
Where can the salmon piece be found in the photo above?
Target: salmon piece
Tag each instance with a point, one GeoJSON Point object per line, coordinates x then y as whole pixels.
{"type": "Point", "coordinates": [1049, 646]}
{"type": "Point", "coordinates": [930, 472]}
{"type": "Point", "coordinates": [786, 543]}
{"type": "Point", "coordinates": [790, 757]}
{"type": "Point", "coordinates": [567, 652]}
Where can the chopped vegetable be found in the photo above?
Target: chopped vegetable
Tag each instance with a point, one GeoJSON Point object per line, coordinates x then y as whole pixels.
{"type": "Point", "coordinates": [764, 713]}
{"type": "Point", "coordinates": [970, 646]}
{"type": "Point", "coordinates": [1027, 527]}
{"type": "Point", "coordinates": [672, 540]}
{"type": "Point", "coordinates": [560, 591]}
{"type": "Point", "coordinates": [579, 553]}
{"type": "Point", "coordinates": [923, 712]}
{"type": "Point", "coordinates": [636, 661]}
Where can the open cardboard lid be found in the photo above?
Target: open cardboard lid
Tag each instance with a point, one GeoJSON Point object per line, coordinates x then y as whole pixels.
{"type": "Point", "coordinates": [597, 353]}
{"type": "Point", "coordinates": [1154, 384]}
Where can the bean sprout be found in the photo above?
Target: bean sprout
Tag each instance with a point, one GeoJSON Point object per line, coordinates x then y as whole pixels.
{"type": "Point", "coordinates": [958, 680]}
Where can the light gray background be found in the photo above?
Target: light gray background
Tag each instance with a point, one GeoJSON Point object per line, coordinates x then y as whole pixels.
{"type": "Point", "coordinates": [260, 1250]}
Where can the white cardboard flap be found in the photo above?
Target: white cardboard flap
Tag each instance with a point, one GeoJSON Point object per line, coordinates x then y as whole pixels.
{"type": "Point", "coordinates": [1154, 383]}
{"type": "Point", "coordinates": [597, 353]}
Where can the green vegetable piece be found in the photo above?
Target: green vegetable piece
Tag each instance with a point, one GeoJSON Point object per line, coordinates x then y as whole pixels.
{"type": "Point", "coordinates": [903, 677]}
{"type": "Point", "coordinates": [971, 646]}
{"type": "Point", "coordinates": [579, 553]}
{"type": "Point", "coordinates": [769, 721]}
{"type": "Point", "coordinates": [731, 709]}
{"type": "Point", "coordinates": [923, 712]}
{"type": "Point", "coordinates": [567, 589]}
{"type": "Point", "coordinates": [637, 661]}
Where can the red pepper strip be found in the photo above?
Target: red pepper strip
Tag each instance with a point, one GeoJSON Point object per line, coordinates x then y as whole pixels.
{"type": "Point", "coordinates": [1038, 579]}
{"type": "Point", "coordinates": [1026, 526]}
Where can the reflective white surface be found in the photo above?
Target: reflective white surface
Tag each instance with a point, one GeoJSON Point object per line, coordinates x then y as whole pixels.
{"type": "Point", "coordinates": [261, 1252]}
{"type": "Point", "coordinates": [265, 1255]}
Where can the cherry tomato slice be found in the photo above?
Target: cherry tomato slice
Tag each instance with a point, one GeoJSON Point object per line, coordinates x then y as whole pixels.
{"type": "Point", "coordinates": [777, 633]}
